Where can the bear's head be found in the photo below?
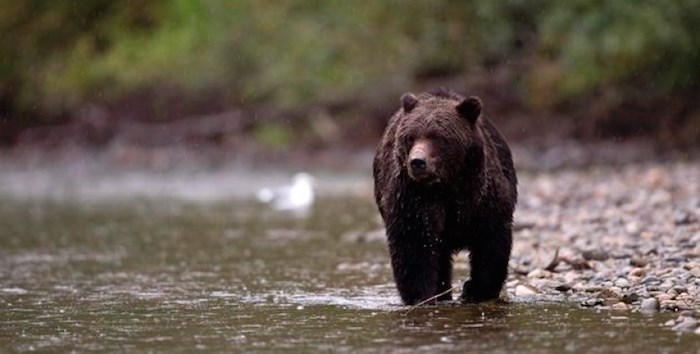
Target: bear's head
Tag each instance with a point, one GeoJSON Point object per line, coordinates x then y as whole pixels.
{"type": "Point", "coordinates": [437, 137]}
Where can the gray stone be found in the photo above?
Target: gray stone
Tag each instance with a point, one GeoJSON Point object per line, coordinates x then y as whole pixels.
{"type": "Point", "coordinates": [649, 304]}
{"type": "Point", "coordinates": [562, 287]}
{"type": "Point", "coordinates": [630, 298]}
{"type": "Point", "coordinates": [591, 302]}
{"type": "Point", "coordinates": [619, 306]}
{"type": "Point", "coordinates": [525, 290]}
{"type": "Point", "coordinates": [695, 272]}
{"type": "Point", "coordinates": [683, 217]}
{"type": "Point", "coordinates": [651, 280]}
{"type": "Point", "coordinates": [595, 255]}
{"type": "Point", "coordinates": [686, 324]}
{"type": "Point", "coordinates": [639, 261]}
{"type": "Point", "coordinates": [622, 283]}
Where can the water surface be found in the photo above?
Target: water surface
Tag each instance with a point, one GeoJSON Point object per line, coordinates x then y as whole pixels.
{"type": "Point", "coordinates": [167, 275]}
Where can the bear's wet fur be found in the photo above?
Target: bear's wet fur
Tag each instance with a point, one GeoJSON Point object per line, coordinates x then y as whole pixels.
{"type": "Point", "coordinates": [444, 182]}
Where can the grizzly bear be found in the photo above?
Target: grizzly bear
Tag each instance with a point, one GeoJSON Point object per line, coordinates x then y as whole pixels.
{"type": "Point", "coordinates": [444, 182]}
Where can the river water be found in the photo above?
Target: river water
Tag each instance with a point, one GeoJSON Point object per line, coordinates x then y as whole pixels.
{"type": "Point", "coordinates": [229, 274]}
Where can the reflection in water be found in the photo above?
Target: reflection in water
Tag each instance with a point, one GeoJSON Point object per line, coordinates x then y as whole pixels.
{"type": "Point", "coordinates": [160, 275]}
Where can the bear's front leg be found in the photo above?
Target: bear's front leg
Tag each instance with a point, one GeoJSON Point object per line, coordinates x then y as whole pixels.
{"type": "Point", "coordinates": [415, 270]}
{"type": "Point", "coordinates": [489, 265]}
{"type": "Point", "coordinates": [445, 275]}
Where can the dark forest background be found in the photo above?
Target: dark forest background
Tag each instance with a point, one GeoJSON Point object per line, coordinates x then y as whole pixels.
{"type": "Point", "coordinates": [252, 75]}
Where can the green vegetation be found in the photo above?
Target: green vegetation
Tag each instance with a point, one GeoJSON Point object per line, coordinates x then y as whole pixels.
{"type": "Point", "coordinates": [60, 55]}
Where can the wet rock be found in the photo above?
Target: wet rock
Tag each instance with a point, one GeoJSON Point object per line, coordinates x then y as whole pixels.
{"type": "Point", "coordinates": [683, 217]}
{"type": "Point", "coordinates": [512, 284]}
{"type": "Point", "coordinates": [681, 305]}
{"type": "Point", "coordinates": [619, 306]}
{"type": "Point", "coordinates": [563, 287]}
{"type": "Point", "coordinates": [595, 255]}
{"type": "Point", "coordinates": [525, 290]}
{"type": "Point", "coordinates": [639, 261]}
{"type": "Point", "coordinates": [666, 285]}
{"type": "Point", "coordinates": [609, 294]}
{"type": "Point", "coordinates": [630, 298]}
{"type": "Point", "coordinates": [649, 304]}
{"type": "Point", "coordinates": [610, 301]}
{"type": "Point", "coordinates": [632, 227]}
{"type": "Point", "coordinates": [616, 290]}
{"type": "Point", "coordinates": [680, 289]}
{"type": "Point", "coordinates": [670, 305]}
{"type": "Point", "coordinates": [591, 302]}
{"type": "Point", "coordinates": [695, 272]}
{"type": "Point", "coordinates": [686, 324]}
{"type": "Point", "coordinates": [593, 289]}
{"type": "Point", "coordinates": [523, 225]}
{"type": "Point", "coordinates": [539, 273]}
{"type": "Point", "coordinates": [665, 297]}
{"type": "Point", "coordinates": [676, 258]}
{"type": "Point", "coordinates": [659, 197]}
{"type": "Point", "coordinates": [636, 273]}
{"type": "Point", "coordinates": [571, 277]}
{"type": "Point", "coordinates": [622, 283]}
{"type": "Point", "coordinates": [688, 313]}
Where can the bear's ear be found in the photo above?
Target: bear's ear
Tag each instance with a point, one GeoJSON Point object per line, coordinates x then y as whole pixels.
{"type": "Point", "coordinates": [470, 108]}
{"type": "Point", "coordinates": [408, 102]}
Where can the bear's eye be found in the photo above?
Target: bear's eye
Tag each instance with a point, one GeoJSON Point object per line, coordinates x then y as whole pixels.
{"type": "Point", "coordinates": [442, 140]}
{"type": "Point", "coordinates": [437, 138]}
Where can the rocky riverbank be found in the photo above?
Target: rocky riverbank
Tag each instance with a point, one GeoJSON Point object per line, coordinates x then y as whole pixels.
{"type": "Point", "coordinates": [618, 238]}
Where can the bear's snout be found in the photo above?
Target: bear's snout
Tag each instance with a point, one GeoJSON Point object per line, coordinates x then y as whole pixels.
{"type": "Point", "coordinates": [418, 164]}
{"type": "Point", "coordinates": [421, 167]}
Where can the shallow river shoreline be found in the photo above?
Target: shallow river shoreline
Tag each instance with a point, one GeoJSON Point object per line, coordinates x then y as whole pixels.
{"type": "Point", "coordinates": [614, 238]}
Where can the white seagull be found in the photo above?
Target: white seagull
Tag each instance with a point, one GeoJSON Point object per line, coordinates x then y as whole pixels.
{"type": "Point", "coordinates": [297, 196]}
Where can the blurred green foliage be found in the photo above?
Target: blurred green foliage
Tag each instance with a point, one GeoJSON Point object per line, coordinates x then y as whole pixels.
{"type": "Point", "coordinates": [588, 45]}
{"type": "Point", "coordinates": [58, 55]}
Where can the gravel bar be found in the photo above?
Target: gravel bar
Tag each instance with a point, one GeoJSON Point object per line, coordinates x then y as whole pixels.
{"type": "Point", "coordinates": [617, 237]}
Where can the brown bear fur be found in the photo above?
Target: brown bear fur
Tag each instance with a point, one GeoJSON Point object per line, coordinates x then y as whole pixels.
{"type": "Point", "coordinates": [444, 182]}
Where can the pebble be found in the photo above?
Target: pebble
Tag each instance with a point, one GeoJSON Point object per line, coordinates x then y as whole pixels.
{"type": "Point", "coordinates": [664, 297]}
{"type": "Point", "coordinates": [665, 286]}
{"type": "Point", "coordinates": [563, 287]}
{"type": "Point", "coordinates": [651, 280]}
{"type": "Point", "coordinates": [670, 305]}
{"type": "Point", "coordinates": [639, 261]}
{"type": "Point", "coordinates": [636, 272]}
{"type": "Point", "coordinates": [525, 290]}
{"type": "Point", "coordinates": [630, 298]}
{"type": "Point", "coordinates": [539, 273]}
{"type": "Point", "coordinates": [695, 272]}
{"type": "Point", "coordinates": [686, 324]}
{"type": "Point", "coordinates": [688, 313]}
{"type": "Point", "coordinates": [622, 283]}
{"type": "Point", "coordinates": [649, 304]}
{"type": "Point", "coordinates": [683, 217]}
{"type": "Point", "coordinates": [619, 306]}
{"type": "Point", "coordinates": [591, 302]}
{"type": "Point", "coordinates": [595, 255]}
